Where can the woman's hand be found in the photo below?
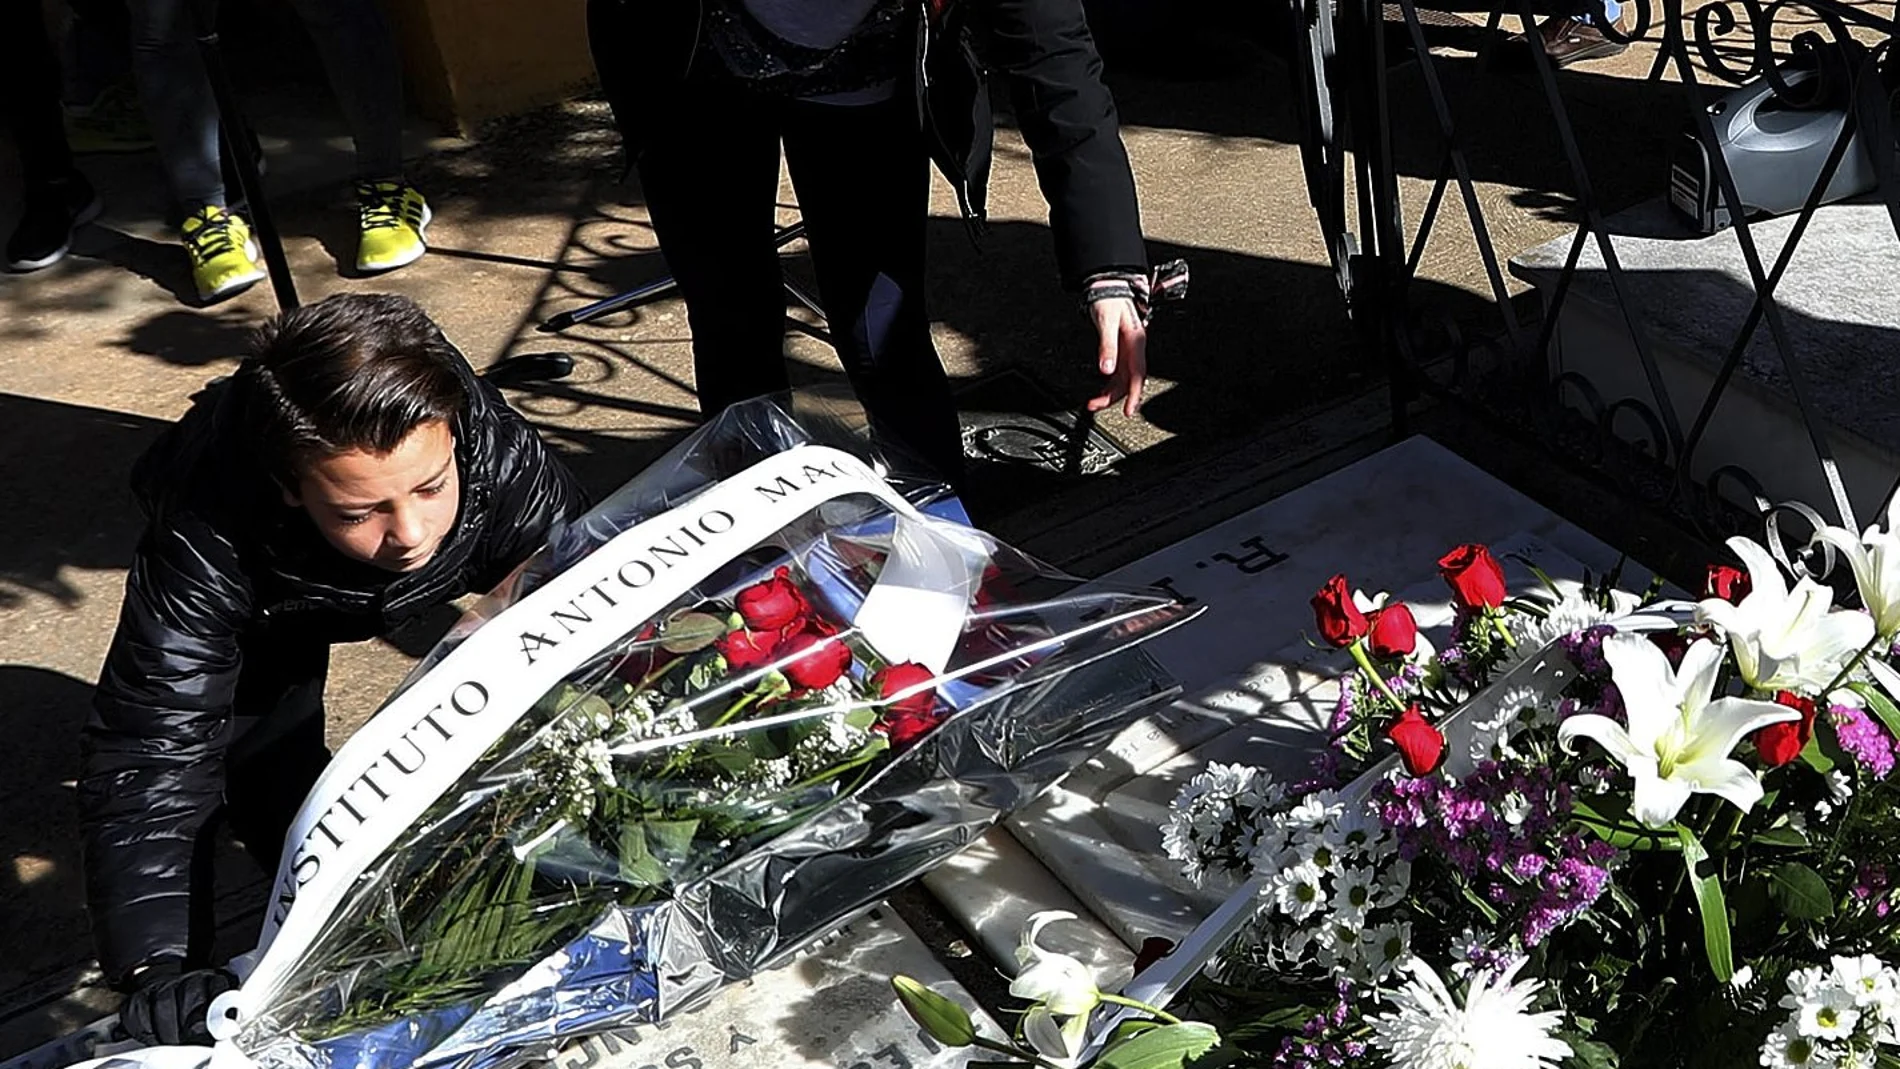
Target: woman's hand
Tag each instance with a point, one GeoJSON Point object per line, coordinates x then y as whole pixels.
{"type": "Point", "coordinates": [1122, 353]}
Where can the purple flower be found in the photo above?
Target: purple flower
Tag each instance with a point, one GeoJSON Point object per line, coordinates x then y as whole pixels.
{"type": "Point", "coordinates": [1864, 738]}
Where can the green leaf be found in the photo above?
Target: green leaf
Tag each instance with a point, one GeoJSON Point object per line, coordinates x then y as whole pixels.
{"type": "Point", "coordinates": [1815, 757]}
{"type": "Point", "coordinates": [1487, 909]}
{"type": "Point", "coordinates": [691, 632]}
{"type": "Point", "coordinates": [947, 1022]}
{"type": "Point", "coordinates": [1168, 1047]}
{"type": "Point", "coordinates": [1283, 1018]}
{"type": "Point", "coordinates": [1710, 903]}
{"type": "Point", "coordinates": [1800, 891]}
{"type": "Point", "coordinates": [1588, 1053]}
{"type": "Point", "coordinates": [671, 840]}
{"type": "Point", "coordinates": [637, 866]}
{"type": "Point", "coordinates": [1782, 836]}
{"type": "Point", "coordinates": [1880, 705]}
{"type": "Point", "coordinates": [1608, 818]}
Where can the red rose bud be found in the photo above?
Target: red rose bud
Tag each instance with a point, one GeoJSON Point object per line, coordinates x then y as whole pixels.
{"type": "Point", "coordinates": [1340, 621]}
{"type": "Point", "coordinates": [1421, 746]}
{"type": "Point", "coordinates": [1392, 632]}
{"type": "Point", "coordinates": [898, 678]}
{"type": "Point", "coordinates": [772, 604]}
{"type": "Point", "coordinates": [1475, 577]}
{"type": "Point", "coordinates": [814, 662]}
{"type": "Point", "coordinates": [1781, 743]}
{"type": "Point", "coordinates": [744, 650]}
{"type": "Point", "coordinates": [1729, 584]}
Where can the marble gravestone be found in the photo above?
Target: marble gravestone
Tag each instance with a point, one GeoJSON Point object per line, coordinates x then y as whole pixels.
{"type": "Point", "coordinates": [1256, 690]}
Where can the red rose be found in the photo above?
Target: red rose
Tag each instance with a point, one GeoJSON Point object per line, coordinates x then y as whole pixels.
{"type": "Point", "coordinates": [745, 649]}
{"type": "Point", "coordinates": [814, 662]}
{"type": "Point", "coordinates": [1421, 746]}
{"type": "Point", "coordinates": [909, 718]}
{"type": "Point", "coordinates": [773, 604]}
{"type": "Point", "coordinates": [1781, 743]}
{"type": "Point", "coordinates": [1392, 632]}
{"type": "Point", "coordinates": [1729, 584]}
{"type": "Point", "coordinates": [1340, 621]}
{"type": "Point", "coordinates": [905, 727]}
{"type": "Point", "coordinates": [897, 678]}
{"type": "Point", "coordinates": [1476, 579]}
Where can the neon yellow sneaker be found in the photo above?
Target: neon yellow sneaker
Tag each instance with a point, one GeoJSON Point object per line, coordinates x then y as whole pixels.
{"type": "Point", "coordinates": [113, 122]}
{"type": "Point", "coordinates": [395, 226]}
{"type": "Point", "coordinates": [223, 255]}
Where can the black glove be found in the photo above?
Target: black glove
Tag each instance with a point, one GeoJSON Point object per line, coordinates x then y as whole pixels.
{"type": "Point", "coordinates": [169, 1005]}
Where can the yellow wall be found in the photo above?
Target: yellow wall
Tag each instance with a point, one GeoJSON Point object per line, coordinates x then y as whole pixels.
{"type": "Point", "coordinates": [471, 60]}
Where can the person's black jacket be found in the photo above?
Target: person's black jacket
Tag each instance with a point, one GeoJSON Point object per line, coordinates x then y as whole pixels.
{"type": "Point", "coordinates": [225, 562]}
{"type": "Point", "coordinates": [1041, 49]}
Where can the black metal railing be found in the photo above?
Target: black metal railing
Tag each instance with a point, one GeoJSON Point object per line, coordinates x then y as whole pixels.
{"type": "Point", "coordinates": [1653, 436]}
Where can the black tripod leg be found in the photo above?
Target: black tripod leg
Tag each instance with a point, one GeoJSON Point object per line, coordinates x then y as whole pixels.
{"type": "Point", "coordinates": [237, 145]}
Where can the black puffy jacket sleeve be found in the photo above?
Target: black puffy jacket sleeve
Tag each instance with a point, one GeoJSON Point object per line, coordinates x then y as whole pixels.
{"type": "Point", "coordinates": [534, 490]}
{"type": "Point", "coordinates": [1047, 58]}
{"type": "Point", "coordinates": [152, 752]}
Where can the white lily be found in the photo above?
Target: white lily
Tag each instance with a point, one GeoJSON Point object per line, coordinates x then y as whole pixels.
{"type": "Point", "coordinates": [1678, 741]}
{"type": "Point", "coordinates": [1875, 558]}
{"type": "Point", "coordinates": [1060, 982]}
{"type": "Point", "coordinates": [1785, 638]}
{"type": "Point", "coordinates": [1060, 1044]}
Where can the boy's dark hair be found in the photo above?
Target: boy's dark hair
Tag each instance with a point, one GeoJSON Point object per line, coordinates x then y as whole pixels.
{"type": "Point", "coordinates": [350, 372]}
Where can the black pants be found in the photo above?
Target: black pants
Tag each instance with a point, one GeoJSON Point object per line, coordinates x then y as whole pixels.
{"type": "Point", "coordinates": [863, 183]}
{"type": "Point", "coordinates": [274, 757]}
{"type": "Point", "coordinates": [29, 93]}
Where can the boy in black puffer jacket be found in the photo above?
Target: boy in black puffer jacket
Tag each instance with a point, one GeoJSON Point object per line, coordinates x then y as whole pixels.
{"type": "Point", "coordinates": [353, 474]}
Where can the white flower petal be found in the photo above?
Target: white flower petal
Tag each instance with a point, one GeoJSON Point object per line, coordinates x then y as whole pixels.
{"type": "Point", "coordinates": [1725, 778]}
{"type": "Point", "coordinates": [1764, 575]}
{"type": "Point", "coordinates": [1649, 688]}
{"type": "Point", "coordinates": [1657, 800]}
{"type": "Point", "coordinates": [1724, 722]}
{"type": "Point", "coordinates": [1606, 733]}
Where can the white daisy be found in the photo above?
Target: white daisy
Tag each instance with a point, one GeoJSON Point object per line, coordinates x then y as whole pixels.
{"type": "Point", "coordinates": [1298, 890]}
{"type": "Point", "coordinates": [1828, 1014]}
{"type": "Point", "coordinates": [1870, 982]}
{"type": "Point", "coordinates": [1787, 1048]}
{"type": "Point", "coordinates": [1395, 882]}
{"type": "Point", "coordinates": [1387, 946]}
{"type": "Point", "coordinates": [1492, 1030]}
{"type": "Point", "coordinates": [1352, 892]}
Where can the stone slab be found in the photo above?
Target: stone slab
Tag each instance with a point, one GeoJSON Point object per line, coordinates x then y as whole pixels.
{"type": "Point", "coordinates": [830, 1008]}
{"type": "Point", "coordinates": [1254, 688]}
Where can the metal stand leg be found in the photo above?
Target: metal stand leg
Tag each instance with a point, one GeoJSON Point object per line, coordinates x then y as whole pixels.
{"type": "Point", "coordinates": [237, 143]}
{"type": "Point", "coordinates": [661, 287]}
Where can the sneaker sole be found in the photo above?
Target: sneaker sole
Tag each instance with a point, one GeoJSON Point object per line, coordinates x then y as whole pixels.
{"type": "Point", "coordinates": [240, 283]}
{"type": "Point", "coordinates": [422, 232]}
{"type": "Point", "coordinates": [86, 215]}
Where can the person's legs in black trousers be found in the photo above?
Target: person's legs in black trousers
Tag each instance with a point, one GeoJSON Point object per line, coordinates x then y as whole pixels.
{"type": "Point", "coordinates": [863, 184]}
{"type": "Point", "coordinates": [56, 198]}
{"type": "Point", "coordinates": [710, 178]}
{"type": "Point", "coordinates": [275, 755]}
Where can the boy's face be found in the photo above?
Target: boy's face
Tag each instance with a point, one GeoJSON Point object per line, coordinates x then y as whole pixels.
{"type": "Point", "coordinates": [391, 510]}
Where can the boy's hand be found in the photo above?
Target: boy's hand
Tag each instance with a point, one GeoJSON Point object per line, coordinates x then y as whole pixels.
{"type": "Point", "coordinates": [1121, 352]}
{"type": "Point", "coordinates": [170, 1006]}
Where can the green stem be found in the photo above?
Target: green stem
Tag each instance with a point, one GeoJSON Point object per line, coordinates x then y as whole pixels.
{"type": "Point", "coordinates": [1358, 650]}
{"type": "Point", "coordinates": [1497, 624]}
{"type": "Point", "coordinates": [1848, 669]}
{"type": "Point", "coordinates": [1153, 1011]}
